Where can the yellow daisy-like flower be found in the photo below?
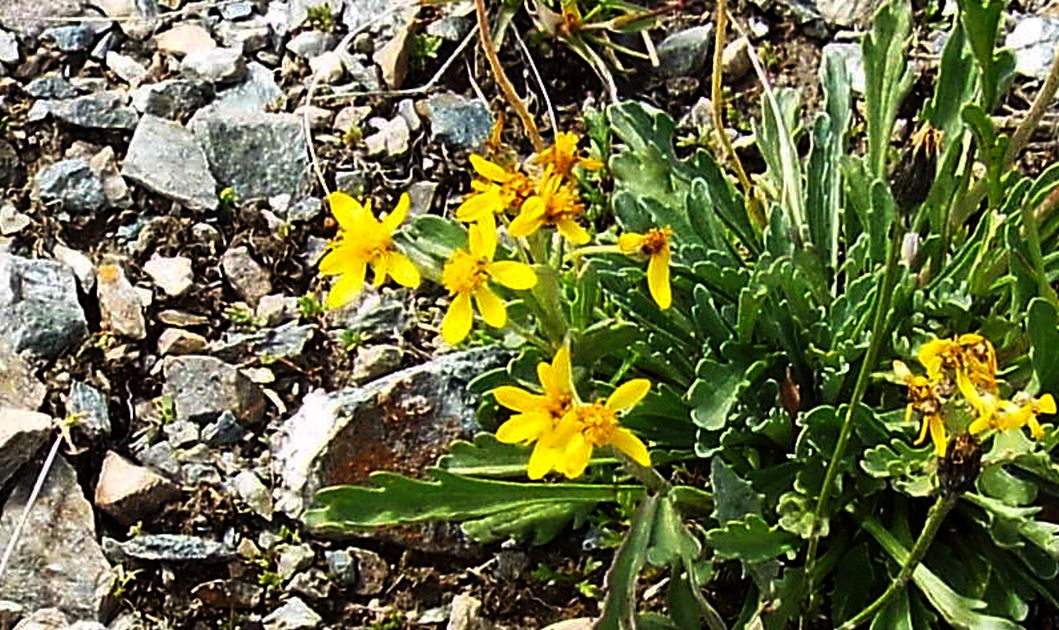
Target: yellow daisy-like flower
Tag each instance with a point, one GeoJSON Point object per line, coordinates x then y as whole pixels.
{"type": "Point", "coordinates": [496, 190]}
{"type": "Point", "coordinates": [467, 274]}
{"type": "Point", "coordinates": [969, 353]}
{"type": "Point", "coordinates": [655, 245]}
{"type": "Point", "coordinates": [554, 203]}
{"type": "Point", "coordinates": [563, 155]}
{"type": "Point", "coordinates": [362, 240]}
{"type": "Point", "coordinates": [537, 413]}
{"type": "Point", "coordinates": [921, 398]}
{"type": "Point", "coordinates": [586, 427]}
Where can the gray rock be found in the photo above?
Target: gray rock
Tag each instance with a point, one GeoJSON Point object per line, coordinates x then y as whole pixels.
{"type": "Point", "coordinates": [1033, 40]}
{"type": "Point", "coordinates": [392, 58]}
{"type": "Point", "coordinates": [375, 361]}
{"type": "Point", "coordinates": [8, 48]}
{"type": "Point", "coordinates": [39, 311]}
{"type": "Point", "coordinates": [10, 612]}
{"type": "Point", "coordinates": [372, 571]}
{"type": "Point", "coordinates": [216, 65]}
{"type": "Point", "coordinates": [224, 431]}
{"type": "Point", "coordinates": [283, 342]}
{"type": "Point", "coordinates": [254, 493]}
{"type": "Point", "coordinates": [847, 13]}
{"type": "Point", "coordinates": [156, 146]}
{"type": "Point", "coordinates": [184, 38]}
{"type": "Point", "coordinates": [249, 279]}
{"type": "Point", "coordinates": [202, 387]}
{"type": "Point", "coordinates": [70, 39]}
{"type": "Point", "coordinates": [382, 15]}
{"type": "Point", "coordinates": [22, 434]}
{"type": "Point", "coordinates": [276, 309]}
{"type": "Point", "coordinates": [328, 67]}
{"type": "Point", "coordinates": [259, 155]}
{"type": "Point", "coordinates": [465, 614]}
{"type": "Point", "coordinates": [455, 25]}
{"type": "Point", "coordinates": [101, 110]}
{"type": "Point", "coordinates": [236, 10]}
{"type": "Point", "coordinates": [19, 387]}
{"type": "Point", "coordinates": [58, 564]}
{"type": "Point", "coordinates": [458, 122]}
{"type": "Point", "coordinates": [71, 186]}
{"type": "Point", "coordinates": [11, 220]}
{"type": "Point", "coordinates": [44, 619]}
{"type": "Point", "coordinates": [351, 116]}
{"type": "Point", "coordinates": [136, 18]}
{"type": "Point", "coordinates": [228, 594]}
{"type": "Point", "coordinates": [312, 584]}
{"type": "Point", "coordinates": [181, 433]}
{"type": "Point", "coordinates": [422, 195]}
{"type": "Point", "coordinates": [319, 117]}
{"type": "Point", "coordinates": [735, 59]}
{"type": "Point", "coordinates": [127, 68]}
{"type": "Point", "coordinates": [51, 86]}
{"type": "Point", "coordinates": [684, 53]}
{"type": "Point", "coordinates": [167, 548]}
{"type": "Point", "coordinates": [82, 267]}
{"type": "Point", "coordinates": [171, 274]}
{"type": "Point", "coordinates": [173, 98]}
{"type": "Point", "coordinates": [337, 438]}
{"type": "Point", "coordinates": [361, 73]}
{"type": "Point", "coordinates": [258, 92]}
{"type": "Point", "coordinates": [406, 109]}
{"type": "Point", "coordinates": [309, 44]}
{"type": "Point", "coordinates": [130, 493]}
{"type": "Point", "coordinates": [373, 316]}
{"type": "Point", "coordinates": [305, 210]}
{"type": "Point", "coordinates": [248, 36]}
{"type": "Point", "coordinates": [89, 406]}
{"type": "Point", "coordinates": [293, 558]}
{"type": "Point", "coordinates": [342, 566]}
{"type": "Point", "coordinates": [111, 40]}
{"type": "Point", "coordinates": [120, 306]}
{"type": "Point", "coordinates": [162, 458]}
{"type": "Point", "coordinates": [391, 140]}
{"type": "Point", "coordinates": [105, 166]}
{"type": "Point", "coordinates": [180, 341]}
{"type": "Point", "coordinates": [293, 615]}
{"type": "Point", "coordinates": [29, 17]}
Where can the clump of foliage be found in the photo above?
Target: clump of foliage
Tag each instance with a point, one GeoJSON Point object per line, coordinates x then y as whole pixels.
{"type": "Point", "coordinates": [765, 352]}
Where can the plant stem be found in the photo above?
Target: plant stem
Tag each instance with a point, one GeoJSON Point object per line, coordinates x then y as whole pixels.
{"type": "Point", "coordinates": [501, 79]}
{"type": "Point", "coordinates": [9, 550]}
{"type": "Point", "coordinates": [878, 334]}
{"type": "Point", "coordinates": [717, 96]}
{"type": "Point", "coordinates": [1033, 243]}
{"type": "Point", "coordinates": [941, 508]}
{"type": "Point", "coordinates": [647, 475]}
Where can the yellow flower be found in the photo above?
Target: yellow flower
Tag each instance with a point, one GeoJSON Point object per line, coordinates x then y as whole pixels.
{"type": "Point", "coordinates": [467, 273]}
{"type": "Point", "coordinates": [939, 355]}
{"type": "Point", "coordinates": [970, 353]}
{"type": "Point", "coordinates": [922, 398]}
{"type": "Point", "coordinates": [1005, 414]}
{"type": "Point", "coordinates": [585, 427]}
{"type": "Point", "coordinates": [495, 191]}
{"type": "Point", "coordinates": [655, 245]}
{"type": "Point", "coordinates": [364, 240]}
{"type": "Point", "coordinates": [938, 435]}
{"type": "Point", "coordinates": [554, 203]}
{"type": "Point", "coordinates": [537, 413]}
{"type": "Point", "coordinates": [562, 156]}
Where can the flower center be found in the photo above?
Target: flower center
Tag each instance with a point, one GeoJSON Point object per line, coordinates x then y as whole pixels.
{"type": "Point", "coordinates": [464, 273]}
{"type": "Point", "coordinates": [656, 240]}
{"type": "Point", "coordinates": [597, 422]}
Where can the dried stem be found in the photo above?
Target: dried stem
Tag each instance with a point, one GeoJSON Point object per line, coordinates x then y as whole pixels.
{"type": "Point", "coordinates": [717, 96]}
{"type": "Point", "coordinates": [9, 550]}
{"type": "Point", "coordinates": [501, 78]}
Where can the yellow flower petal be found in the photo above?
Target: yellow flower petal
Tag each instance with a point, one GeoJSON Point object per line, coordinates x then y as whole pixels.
{"type": "Point", "coordinates": [562, 372]}
{"type": "Point", "coordinates": [490, 306]}
{"type": "Point", "coordinates": [658, 279]}
{"type": "Point", "coordinates": [347, 287]}
{"type": "Point", "coordinates": [489, 170]}
{"type": "Point", "coordinates": [630, 242]}
{"type": "Point", "coordinates": [524, 428]}
{"type": "Point", "coordinates": [1035, 427]}
{"type": "Point", "coordinates": [626, 442]}
{"type": "Point", "coordinates": [518, 399]}
{"type": "Point", "coordinates": [338, 260]}
{"type": "Point", "coordinates": [573, 232]}
{"type": "Point", "coordinates": [399, 214]}
{"type": "Point", "coordinates": [923, 428]}
{"type": "Point", "coordinates": [524, 224]}
{"type": "Point", "coordinates": [380, 266]}
{"type": "Point", "coordinates": [577, 454]}
{"type": "Point", "coordinates": [545, 458]}
{"type": "Point", "coordinates": [937, 435]}
{"type": "Point", "coordinates": [1046, 404]}
{"type": "Point", "coordinates": [513, 275]}
{"type": "Point", "coordinates": [480, 242]}
{"type": "Point", "coordinates": [976, 427]}
{"type": "Point", "coordinates": [458, 319]}
{"type": "Point", "coordinates": [628, 394]}
{"type": "Point", "coordinates": [345, 209]}
{"type": "Point", "coordinates": [402, 270]}
{"type": "Point", "coordinates": [478, 207]}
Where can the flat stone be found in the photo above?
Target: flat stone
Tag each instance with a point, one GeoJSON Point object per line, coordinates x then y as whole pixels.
{"type": "Point", "coordinates": [293, 615]}
{"type": "Point", "coordinates": [287, 341]}
{"type": "Point", "coordinates": [391, 140]}
{"type": "Point", "coordinates": [11, 220]}
{"type": "Point", "coordinates": [70, 39]}
{"type": "Point", "coordinates": [130, 493]}
{"type": "Point", "coordinates": [1033, 40]}
{"type": "Point", "coordinates": [249, 279]}
{"type": "Point", "coordinates": [167, 548]}
{"type": "Point", "coordinates": [44, 619]}
{"type": "Point", "coordinates": [19, 387]}
{"type": "Point", "coordinates": [466, 613]}
{"type": "Point", "coordinates": [172, 98]}
{"type": "Point", "coordinates": [22, 434]}
{"type": "Point", "coordinates": [82, 266]}
{"type": "Point", "coordinates": [29, 18]}
{"type": "Point", "coordinates": [216, 65]}
{"type": "Point", "coordinates": [224, 431]}
{"type": "Point", "coordinates": [258, 154]}
{"type": "Point", "coordinates": [127, 68]}
{"type": "Point", "coordinates": [89, 406]}
{"type": "Point", "coordinates": [179, 341]}
{"type": "Point", "coordinates": [136, 18]}
{"type": "Point", "coordinates": [309, 44]}
{"type": "Point", "coordinates": [51, 86]}
{"type": "Point", "coordinates": [120, 307]}
{"type": "Point", "coordinates": [181, 433]}
{"type": "Point", "coordinates": [313, 584]}
{"type": "Point", "coordinates": [236, 10]}
{"type": "Point", "coordinates": [458, 122]}
{"type": "Point", "coordinates": [249, 36]}
{"type": "Point", "coordinates": [328, 67]}
{"type": "Point", "coordinates": [39, 310]}
{"type": "Point", "coordinates": [254, 493]}
{"type": "Point", "coordinates": [202, 387]}
{"type": "Point", "coordinates": [846, 13]}
{"type": "Point", "coordinates": [256, 93]}
{"type": "Point", "coordinates": [276, 309]}
{"type": "Point", "coordinates": [184, 38]}
{"type": "Point", "coordinates": [101, 110]}
{"type": "Point", "coordinates": [8, 48]}
{"type": "Point", "coordinates": [337, 438]}
{"type": "Point", "coordinates": [392, 58]}
{"type": "Point", "coordinates": [375, 360]}
{"type": "Point", "coordinates": [71, 186]}
{"type": "Point", "coordinates": [173, 275]}
{"type": "Point", "coordinates": [156, 146]}
{"type": "Point", "coordinates": [382, 15]}
{"type": "Point", "coordinates": [684, 53]}
{"type": "Point", "coordinates": [105, 166]}
{"type": "Point", "coordinates": [293, 558]}
{"type": "Point", "coordinates": [58, 564]}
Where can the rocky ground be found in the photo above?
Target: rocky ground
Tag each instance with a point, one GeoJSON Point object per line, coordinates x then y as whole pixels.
{"type": "Point", "coordinates": [163, 164]}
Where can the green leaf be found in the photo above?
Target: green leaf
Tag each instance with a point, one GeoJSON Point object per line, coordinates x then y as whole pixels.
{"type": "Point", "coordinates": [775, 138]}
{"type": "Point", "coordinates": [897, 615]}
{"type": "Point", "coordinates": [670, 540]}
{"type": "Point", "coordinates": [749, 540]}
{"type": "Point", "coordinates": [716, 391]}
{"type": "Point", "coordinates": [395, 499]}
{"type": "Point", "coordinates": [824, 177]}
{"type": "Point", "coordinates": [1042, 328]}
{"type": "Point", "coordinates": [618, 605]}
{"type": "Point", "coordinates": [854, 584]}
{"type": "Point", "coordinates": [982, 20]}
{"type": "Point", "coordinates": [537, 523]}
{"type": "Point", "coordinates": [485, 457]}
{"type": "Point", "coordinates": [733, 497]}
{"type": "Point", "coordinates": [887, 77]}
{"type": "Point", "coordinates": [954, 87]}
